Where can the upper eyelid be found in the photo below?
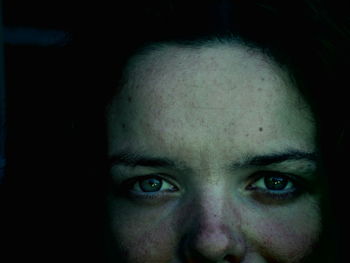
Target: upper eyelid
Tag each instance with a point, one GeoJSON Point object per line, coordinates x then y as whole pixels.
{"type": "Point", "coordinates": [127, 171]}
{"type": "Point", "coordinates": [289, 178]}
{"type": "Point", "coordinates": [293, 173]}
{"type": "Point", "coordinates": [296, 170]}
{"type": "Point", "coordinates": [261, 174]}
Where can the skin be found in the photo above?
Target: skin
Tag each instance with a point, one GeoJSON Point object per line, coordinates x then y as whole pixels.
{"type": "Point", "coordinates": [207, 110]}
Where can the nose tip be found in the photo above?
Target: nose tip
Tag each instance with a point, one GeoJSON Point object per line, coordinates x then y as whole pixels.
{"type": "Point", "coordinates": [214, 243]}
{"type": "Point", "coordinates": [212, 231]}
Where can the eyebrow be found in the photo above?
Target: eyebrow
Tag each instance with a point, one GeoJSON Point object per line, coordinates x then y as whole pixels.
{"type": "Point", "coordinates": [276, 158]}
{"type": "Point", "coordinates": [136, 159]}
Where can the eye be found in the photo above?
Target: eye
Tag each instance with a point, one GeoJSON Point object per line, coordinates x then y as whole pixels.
{"type": "Point", "coordinates": [274, 182]}
{"type": "Point", "coordinates": [147, 186]}
{"type": "Point", "coordinates": [151, 184]}
{"type": "Point", "coordinates": [275, 185]}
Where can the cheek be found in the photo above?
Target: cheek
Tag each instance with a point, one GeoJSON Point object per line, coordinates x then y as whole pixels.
{"type": "Point", "coordinates": [286, 237]}
{"type": "Point", "coordinates": [150, 238]}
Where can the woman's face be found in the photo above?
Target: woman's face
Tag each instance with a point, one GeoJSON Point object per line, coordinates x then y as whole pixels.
{"type": "Point", "coordinates": [212, 154]}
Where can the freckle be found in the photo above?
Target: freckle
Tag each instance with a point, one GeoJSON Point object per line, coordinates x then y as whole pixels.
{"type": "Point", "coordinates": [123, 125]}
{"type": "Point", "coordinates": [247, 135]}
{"type": "Point", "coordinates": [262, 78]}
{"type": "Point", "coordinates": [260, 129]}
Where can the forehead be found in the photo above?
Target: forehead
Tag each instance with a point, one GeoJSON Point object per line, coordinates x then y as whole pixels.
{"type": "Point", "coordinates": [209, 93]}
{"type": "Point", "coordinates": [174, 70]}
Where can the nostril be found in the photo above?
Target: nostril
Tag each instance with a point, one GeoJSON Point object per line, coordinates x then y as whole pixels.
{"type": "Point", "coordinates": [231, 259]}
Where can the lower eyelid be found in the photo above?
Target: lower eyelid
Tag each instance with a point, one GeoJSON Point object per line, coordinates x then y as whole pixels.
{"type": "Point", "coordinates": [264, 195]}
{"type": "Point", "coordinates": [279, 197]}
{"type": "Point", "coordinates": [153, 198]}
{"type": "Point", "coordinates": [147, 195]}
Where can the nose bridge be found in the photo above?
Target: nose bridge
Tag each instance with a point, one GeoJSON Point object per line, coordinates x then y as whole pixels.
{"type": "Point", "coordinates": [217, 213]}
{"type": "Point", "coordinates": [215, 230]}
{"type": "Point", "coordinates": [213, 205]}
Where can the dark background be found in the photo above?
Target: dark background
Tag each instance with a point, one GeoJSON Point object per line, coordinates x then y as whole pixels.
{"type": "Point", "coordinates": [37, 195]}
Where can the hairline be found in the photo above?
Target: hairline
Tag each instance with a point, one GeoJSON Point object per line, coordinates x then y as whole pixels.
{"type": "Point", "coordinates": [142, 52]}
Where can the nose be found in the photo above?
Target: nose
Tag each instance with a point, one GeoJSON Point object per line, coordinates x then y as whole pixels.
{"type": "Point", "coordinates": [213, 234]}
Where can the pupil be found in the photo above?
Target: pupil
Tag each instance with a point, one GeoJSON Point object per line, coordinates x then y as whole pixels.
{"type": "Point", "coordinates": [151, 185]}
{"type": "Point", "coordinates": [275, 182]}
